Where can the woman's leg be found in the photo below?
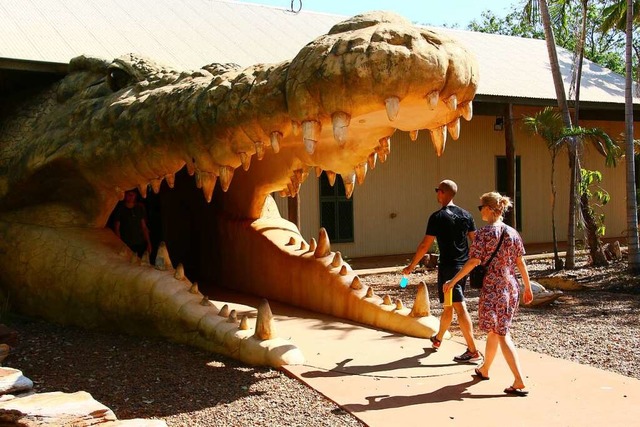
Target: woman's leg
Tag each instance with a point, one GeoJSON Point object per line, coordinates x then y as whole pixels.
{"type": "Point", "coordinates": [511, 357]}
{"type": "Point", "coordinates": [489, 352]}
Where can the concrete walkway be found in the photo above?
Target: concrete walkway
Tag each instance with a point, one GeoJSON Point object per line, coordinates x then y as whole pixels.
{"type": "Point", "coordinates": [386, 380]}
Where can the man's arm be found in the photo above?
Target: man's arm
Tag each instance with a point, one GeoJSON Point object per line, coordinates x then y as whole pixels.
{"type": "Point", "coordinates": [422, 249]}
{"type": "Point", "coordinates": [145, 233]}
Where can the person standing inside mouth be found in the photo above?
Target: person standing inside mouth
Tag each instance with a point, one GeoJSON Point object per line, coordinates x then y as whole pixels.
{"type": "Point", "coordinates": [131, 224]}
{"type": "Point", "coordinates": [452, 228]}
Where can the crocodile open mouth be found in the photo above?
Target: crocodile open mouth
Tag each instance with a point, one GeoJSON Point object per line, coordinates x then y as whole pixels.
{"type": "Point", "coordinates": [214, 145]}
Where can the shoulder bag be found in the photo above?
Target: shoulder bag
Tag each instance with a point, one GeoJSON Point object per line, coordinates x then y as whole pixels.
{"type": "Point", "coordinates": [476, 277]}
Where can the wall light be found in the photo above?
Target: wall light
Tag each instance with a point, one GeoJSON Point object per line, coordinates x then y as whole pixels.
{"type": "Point", "coordinates": [499, 124]}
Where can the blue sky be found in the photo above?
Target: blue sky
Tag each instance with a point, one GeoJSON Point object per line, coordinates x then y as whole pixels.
{"type": "Point", "coordinates": [432, 12]}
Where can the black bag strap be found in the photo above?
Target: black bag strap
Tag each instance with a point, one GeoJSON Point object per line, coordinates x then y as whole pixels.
{"type": "Point", "coordinates": [497, 248]}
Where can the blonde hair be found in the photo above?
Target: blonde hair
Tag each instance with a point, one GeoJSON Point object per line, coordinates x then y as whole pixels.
{"type": "Point", "coordinates": [496, 202]}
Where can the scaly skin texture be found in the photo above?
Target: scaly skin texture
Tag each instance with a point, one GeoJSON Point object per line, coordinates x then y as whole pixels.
{"type": "Point", "coordinates": [238, 135]}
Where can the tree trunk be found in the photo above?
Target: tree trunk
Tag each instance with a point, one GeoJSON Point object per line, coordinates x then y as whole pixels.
{"type": "Point", "coordinates": [598, 258]}
{"type": "Point", "coordinates": [566, 118]}
{"type": "Point", "coordinates": [632, 206]}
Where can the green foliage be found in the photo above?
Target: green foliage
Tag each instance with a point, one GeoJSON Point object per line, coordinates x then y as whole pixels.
{"type": "Point", "coordinates": [604, 47]}
{"type": "Point", "coordinates": [597, 196]}
{"type": "Point", "coordinates": [548, 125]}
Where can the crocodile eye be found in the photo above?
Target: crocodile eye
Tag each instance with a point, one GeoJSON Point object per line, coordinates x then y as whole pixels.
{"type": "Point", "coordinates": [117, 78]}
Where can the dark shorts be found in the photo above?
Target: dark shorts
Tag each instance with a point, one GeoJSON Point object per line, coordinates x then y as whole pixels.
{"type": "Point", "coordinates": [446, 272]}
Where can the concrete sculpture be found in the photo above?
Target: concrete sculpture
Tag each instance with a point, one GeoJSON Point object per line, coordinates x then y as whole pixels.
{"type": "Point", "coordinates": [238, 135]}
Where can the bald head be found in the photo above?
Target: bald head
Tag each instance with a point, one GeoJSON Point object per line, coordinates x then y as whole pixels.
{"type": "Point", "coordinates": [449, 187]}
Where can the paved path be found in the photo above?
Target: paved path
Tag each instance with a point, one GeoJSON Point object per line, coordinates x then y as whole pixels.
{"type": "Point", "coordinates": [386, 380]}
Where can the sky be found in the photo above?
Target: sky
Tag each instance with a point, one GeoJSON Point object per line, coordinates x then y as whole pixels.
{"type": "Point", "coordinates": [428, 12]}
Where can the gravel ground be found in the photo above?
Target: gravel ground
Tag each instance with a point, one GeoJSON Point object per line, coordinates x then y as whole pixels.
{"type": "Point", "coordinates": [148, 378]}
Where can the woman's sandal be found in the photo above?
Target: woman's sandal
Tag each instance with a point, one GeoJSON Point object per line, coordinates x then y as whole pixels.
{"type": "Point", "coordinates": [480, 376]}
{"type": "Point", "coordinates": [516, 391]}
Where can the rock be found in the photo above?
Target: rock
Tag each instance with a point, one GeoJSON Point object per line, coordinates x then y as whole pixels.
{"type": "Point", "coordinates": [612, 250]}
{"type": "Point", "coordinates": [64, 409]}
{"type": "Point", "coordinates": [12, 381]}
{"type": "Point", "coordinates": [430, 260]}
{"type": "Point", "coordinates": [541, 296]}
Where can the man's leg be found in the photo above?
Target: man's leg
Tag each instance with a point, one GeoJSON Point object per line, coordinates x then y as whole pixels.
{"type": "Point", "coordinates": [466, 325]}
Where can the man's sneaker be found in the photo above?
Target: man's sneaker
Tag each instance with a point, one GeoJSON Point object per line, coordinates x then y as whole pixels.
{"type": "Point", "coordinates": [435, 342]}
{"type": "Point", "coordinates": [469, 357]}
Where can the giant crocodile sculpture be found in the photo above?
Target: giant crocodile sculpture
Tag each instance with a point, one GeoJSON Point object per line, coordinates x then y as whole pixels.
{"type": "Point", "coordinates": [235, 136]}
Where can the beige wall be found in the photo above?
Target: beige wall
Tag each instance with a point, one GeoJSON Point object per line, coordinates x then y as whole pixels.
{"type": "Point", "coordinates": [392, 207]}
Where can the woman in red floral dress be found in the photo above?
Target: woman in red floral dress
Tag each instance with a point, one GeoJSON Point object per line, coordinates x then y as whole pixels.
{"type": "Point", "coordinates": [500, 294]}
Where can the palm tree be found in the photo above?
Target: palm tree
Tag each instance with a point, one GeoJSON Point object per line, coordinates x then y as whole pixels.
{"type": "Point", "coordinates": [615, 16]}
{"type": "Point", "coordinates": [548, 125]}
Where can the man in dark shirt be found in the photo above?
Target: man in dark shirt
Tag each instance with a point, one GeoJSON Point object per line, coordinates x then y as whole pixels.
{"type": "Point", "coordinates": [131, 224]}
{"type": "Point", "coordinates": [452, 227]}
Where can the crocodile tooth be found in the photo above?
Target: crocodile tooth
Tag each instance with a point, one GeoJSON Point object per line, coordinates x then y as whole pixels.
{"type": "Point", "coordinates": [313, 245]}
{"type": "Point", "coordinates": [224, 311]}
{"type": "Point", "coordinates": [205, 301]}
{"type": "Point", "coordinates": [245, 159]}
{"type": "Point", "coordinates": [259, 149]}
{"type": "Point", "coordinates": [171, 179]}
{"type": "Point", "coordinates": [233, 317]}
{"type": "Point", "coordinates": [386, 300]}
{"type": "Point", "coordinates": [244, 323]}
{"type": "Point", "coordinates": [421, 306]}
{"type": "Point", "coordinates": [331, 177]}
{"type": "Point", "coordinates": [343, 270]}
{"type": "Point", "coordinates": [155, 185]}
{"type": "Point", "coordinates": [142, 189]}
{"type": "Point", "coordinates": [163, 262]}
{"type": "Point", "coordinates": [145, 259]}
{"type": "Point", "coordinates": [337, 260]}
{"type": "Point", "coordinates": [191, 167]}
{"type": "Point", "coordinates": [399, 305]}
{"type": "Point", "coordinates": [392, 105]}
{"type": "Point", "coordinates": [193, 289]}
{"type": "Point", "coordinates": [311, 134]}
{"type": "Point", "coordinates": [452, 102]}
{"type": "Point", "coordinates": [283, 193]}
{"type": "Point", "coordinates": [361, 172]}
{"type": "Point", "coordinates": [324, 246]}
{"type": "Point", "coordinates": [299, 175]}
{"type": "Point", "coordinates": [318, 171]}
{"type": "Point", "coordinates": [369, 293]}
{"type": "Point", "coordinates": [385, 144]}
{"type": "Point", "coordinates": [276, 140]}
{"type": "Point", "coordinates": [433, 98]}
{"type": "Point", "coordinates": [265, 329]}
{"type": "Point", "coordinates": [226, 175]}
{"type": "Point", "coordinates": [340, 121]}
{"type": "Point", "coordinates": [454, 128]}
{"type": "Point", "coordinates": [198, 178]}
{"type": "Point", "coordinates": [467, 110]}
{"type": "Point", "coordinates": [303, 246]}
{"type": "Point", "coordinates": [439, 139]}
{"type": "Point", "coordinates": [348, 181]}
{"type": "Point", "coordinates": [208, 183]}
{"type": "Point", "coordinates": [356, 284]}
{"type": "Point", "coordinates": [179, 274]}
{"type": "Point", "coordinates": [371, 160]}
{"type": "Point", "coordinates": [413, 135]}
{"type": "Point", "coordinates": [292, 241]}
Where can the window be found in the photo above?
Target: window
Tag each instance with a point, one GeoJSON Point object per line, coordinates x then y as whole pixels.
{"type": "Point", "coordinates": [501, 185]}
{"type": "Point", "coordinates": [336, 211]}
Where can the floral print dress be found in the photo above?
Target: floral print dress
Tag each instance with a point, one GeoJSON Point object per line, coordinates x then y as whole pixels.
{"type": "Point", "coordinates": [500, 294]}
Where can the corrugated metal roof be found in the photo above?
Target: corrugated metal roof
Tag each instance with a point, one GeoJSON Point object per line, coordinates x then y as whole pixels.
{"type": "Point", "coordinates": [188, 34]}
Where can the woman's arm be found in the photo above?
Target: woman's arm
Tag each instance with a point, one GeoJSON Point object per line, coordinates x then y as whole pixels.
{"type": "Point", "coordinates": [522, 267]}
{"type": "Point", "coordinates": [466, 269]}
